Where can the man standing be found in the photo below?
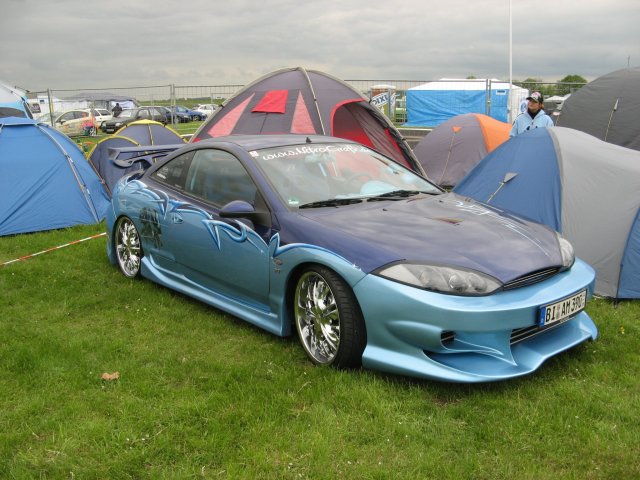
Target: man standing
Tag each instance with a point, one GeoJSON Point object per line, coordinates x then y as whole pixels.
{"type": "Point", "coordinates": [534, 117]}
{"type": "Point", "coordinates": [117, 110]}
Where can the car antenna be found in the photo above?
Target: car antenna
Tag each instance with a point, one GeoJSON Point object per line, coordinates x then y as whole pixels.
{"type": "Point", "coordinates": [308, 140]}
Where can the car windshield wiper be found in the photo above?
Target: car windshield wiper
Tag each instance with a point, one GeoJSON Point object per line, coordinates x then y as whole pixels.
{"type": "Point", "coordinates": [395, 195]}
{"type": "Point", "coordinates": [334, 202]}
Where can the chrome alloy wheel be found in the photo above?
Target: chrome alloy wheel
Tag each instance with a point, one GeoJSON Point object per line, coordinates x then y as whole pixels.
{"type": "Point", "coordinates": [317, 318]}
{"type": "Point", "coordinates": [128, 247]}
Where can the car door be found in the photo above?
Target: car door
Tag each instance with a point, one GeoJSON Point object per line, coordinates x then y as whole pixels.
{"type": "Point", "coordinates": [223, 255]}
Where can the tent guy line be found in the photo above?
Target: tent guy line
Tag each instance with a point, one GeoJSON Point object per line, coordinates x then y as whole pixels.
{"type": "Point", "coordinates": [75, 242]}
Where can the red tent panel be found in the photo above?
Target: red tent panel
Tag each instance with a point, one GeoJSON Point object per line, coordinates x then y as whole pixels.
{"type": "Point", "coordinates": [302, 122]}
{"type": "Point", "coordinates": [273, 101]}
{"type": "Point", "coordinates": [226, 125]}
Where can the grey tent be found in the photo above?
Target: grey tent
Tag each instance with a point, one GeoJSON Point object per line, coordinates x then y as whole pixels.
{"type": "Point", "coordinates": [607, 108]}
{"type": "Point", "coordinates": [583, 187]}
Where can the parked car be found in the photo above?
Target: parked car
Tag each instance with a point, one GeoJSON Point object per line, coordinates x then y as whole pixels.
{"type": "Point", "coordinates": [45, 117]}
{"type": "Point", "coordinates": [176, 116]}
{"type": "Point", "coordinates": [191, 115]}
{"type": "Point", "coordinates": [370, 263]}
{"type": "Point", "coordinates": [131, 115]}
{"type": "Point", "coordinates": [80, 122]}
{"type": "Point", "coordinates": [207, 109]}
{"type": "Point", "coordinates": [101, 115]}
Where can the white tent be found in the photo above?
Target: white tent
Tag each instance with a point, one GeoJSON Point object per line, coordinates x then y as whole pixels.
{"type": "Point", "coordinates": [432, 103]}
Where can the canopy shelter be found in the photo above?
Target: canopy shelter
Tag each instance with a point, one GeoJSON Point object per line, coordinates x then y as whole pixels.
{"type": "Point", "coordinates": [433, 103]}
{"type": "Point", "coordinates": [103, 99]}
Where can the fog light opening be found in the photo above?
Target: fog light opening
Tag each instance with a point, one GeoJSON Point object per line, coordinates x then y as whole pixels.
{"type": "Point", "coordinates": [447, 337]}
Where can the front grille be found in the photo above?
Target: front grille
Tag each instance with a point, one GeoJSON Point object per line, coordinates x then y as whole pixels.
{"type": "Point", "coordinates": [520, 334]}
{"type": "Point", "coordinates": [530, 278]}
{"type": "Point", "coordinates": [517, 335]}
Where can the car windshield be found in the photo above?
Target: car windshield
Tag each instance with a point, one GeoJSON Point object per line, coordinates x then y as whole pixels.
{"type": "Point", "coordinates": [333, 174]}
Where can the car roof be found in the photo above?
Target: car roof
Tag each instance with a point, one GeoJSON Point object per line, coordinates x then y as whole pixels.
{"type": "Point", "coordinates": [255, 142]}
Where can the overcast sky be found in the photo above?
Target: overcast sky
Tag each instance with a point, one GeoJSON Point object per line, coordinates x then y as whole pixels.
{"type": "Point", "coordinates": [74, 44]}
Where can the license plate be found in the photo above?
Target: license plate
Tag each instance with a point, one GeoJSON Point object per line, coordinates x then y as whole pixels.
{"type": "Point", "coordinates": [563, 309]}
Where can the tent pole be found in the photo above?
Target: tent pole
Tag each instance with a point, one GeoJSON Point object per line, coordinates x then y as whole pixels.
{"type": "Point", "coordinates": [315, 100]}
{"type": "Point", "coordinates": [83, 188]}
{"type": "Point", "coordinates": [615, 109]}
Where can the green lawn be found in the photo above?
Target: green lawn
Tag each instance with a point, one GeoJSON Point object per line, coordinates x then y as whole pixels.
{"type": "Point", "coordinates": [201, 394]}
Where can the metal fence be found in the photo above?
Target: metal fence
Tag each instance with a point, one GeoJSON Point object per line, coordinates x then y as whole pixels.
{"type": "Point", "coordinates": [51, 102]}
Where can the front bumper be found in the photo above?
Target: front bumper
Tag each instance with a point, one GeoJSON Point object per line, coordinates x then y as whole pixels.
{"type": "Point", "coordinates": [468, 339]}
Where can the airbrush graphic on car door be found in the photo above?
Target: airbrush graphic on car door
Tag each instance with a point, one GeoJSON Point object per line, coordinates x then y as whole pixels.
{"type": "Point", "coordinates": [208, 247]}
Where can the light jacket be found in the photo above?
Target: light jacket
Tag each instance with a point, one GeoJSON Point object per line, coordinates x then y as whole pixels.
{"type": "Point", "coordinates": [524, 122]}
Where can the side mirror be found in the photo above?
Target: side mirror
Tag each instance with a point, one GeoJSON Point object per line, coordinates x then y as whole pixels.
{"type": "Point", "coordinates": [246, 213]}
{"type": "Point", "coordinates": [238, 209]}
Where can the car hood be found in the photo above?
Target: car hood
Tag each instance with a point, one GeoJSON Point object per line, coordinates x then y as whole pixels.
{"type": "Point", "coordinates": [445, 229]}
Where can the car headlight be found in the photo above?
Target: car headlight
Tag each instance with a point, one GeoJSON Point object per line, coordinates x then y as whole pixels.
{"type": "Point", "coordinates": [118, 124]}
{"type": "Point", "coordinates": [566, 250]}
{"type": "Point", "coordinates": [438, 278]}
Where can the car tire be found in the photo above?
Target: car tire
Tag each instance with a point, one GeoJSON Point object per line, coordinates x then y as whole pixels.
{"type": "Point", "coordinates": [328, 319]}
{"type": "Point", "coordinates": [128, 247]}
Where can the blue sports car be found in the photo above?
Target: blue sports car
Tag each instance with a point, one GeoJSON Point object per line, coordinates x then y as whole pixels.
{"type": "Point", "coordinates": [370, 263]}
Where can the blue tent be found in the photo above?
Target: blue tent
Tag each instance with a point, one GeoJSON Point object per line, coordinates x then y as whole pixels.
{"type": "Point", "coordinates": [13, 103]}
{"type": "Point", "coordinates": [583, 187]}
{"type": "Point", "coordinates": [45, 180]}
{"type": "Point", "coordinates": [436, 102]}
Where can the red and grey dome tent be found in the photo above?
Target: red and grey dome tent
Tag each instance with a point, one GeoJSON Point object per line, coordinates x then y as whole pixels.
{"type": "Point", "coordinates": [295, 100]}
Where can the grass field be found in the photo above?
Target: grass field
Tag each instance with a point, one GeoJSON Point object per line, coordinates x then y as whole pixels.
{"type": "Point", "coordinates": [201, 394]}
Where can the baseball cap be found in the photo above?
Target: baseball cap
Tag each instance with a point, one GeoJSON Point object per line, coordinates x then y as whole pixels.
{"type": "Point", "coordinates": [536, 97]}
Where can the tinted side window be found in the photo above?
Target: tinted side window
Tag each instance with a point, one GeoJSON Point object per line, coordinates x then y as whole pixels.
{"type": "Point", "coordinates": [174, 172]}
{"type": "Point", "coordinates": [219, 177]}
